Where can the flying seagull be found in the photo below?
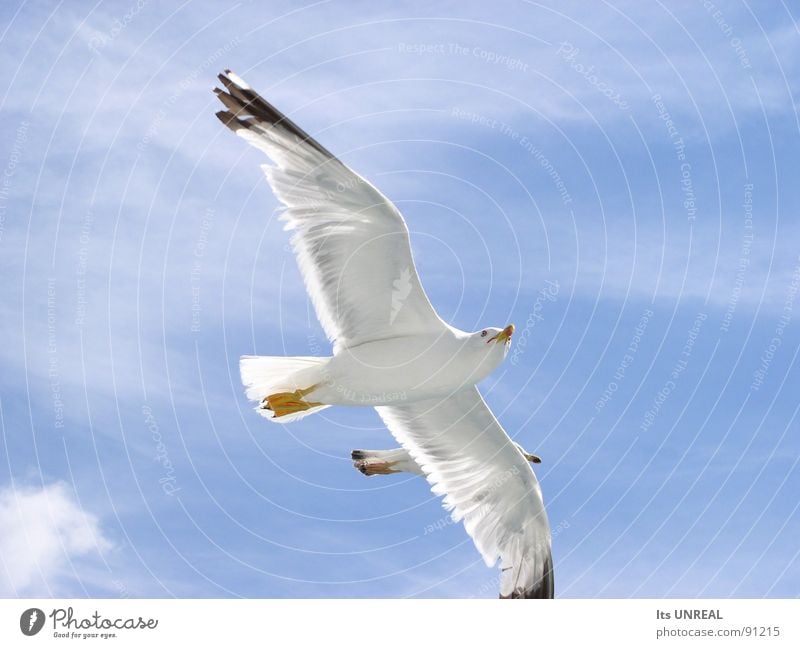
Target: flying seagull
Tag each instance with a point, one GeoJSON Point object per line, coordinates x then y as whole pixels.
{"type": "Point", "coordinates": [391, 350]}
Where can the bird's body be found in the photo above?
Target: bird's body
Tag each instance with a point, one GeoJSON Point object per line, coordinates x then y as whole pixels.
{"type": "Point", "coordinates": [405, 369]}
{"type": "Point", "coordinates": [391, 350]}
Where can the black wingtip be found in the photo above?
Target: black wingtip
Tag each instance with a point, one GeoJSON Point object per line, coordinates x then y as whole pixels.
{"type": "Point", "coordinates": [242, 101]}
{"type": "Point", "coordinates": [230, 120]}
{"type": "Point", "coordinates": [544, 589]}
{"type": "Point", "coordinates": [356, 455]}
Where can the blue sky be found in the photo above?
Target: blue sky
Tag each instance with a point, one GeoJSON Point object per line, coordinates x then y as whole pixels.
{"type": "Point", "coordinates": [617, 179]}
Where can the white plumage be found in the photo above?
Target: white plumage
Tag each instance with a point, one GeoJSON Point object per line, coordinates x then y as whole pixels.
{"type": "Point", "coordinates": [486, 482]}
{"type": "Point", "coordinates": [351, 242]}
{"type": "Point", "coordinates": [390, 348]}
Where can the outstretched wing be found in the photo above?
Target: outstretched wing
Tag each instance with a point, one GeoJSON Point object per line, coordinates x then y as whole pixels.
{"type": "Point", "coordinates": [351, 242]}
{"type": "Point", "coordinates": [486, 482]}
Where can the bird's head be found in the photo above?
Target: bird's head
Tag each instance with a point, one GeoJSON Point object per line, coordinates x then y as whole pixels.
{"type": "Point", "coordinates": [494, 340]}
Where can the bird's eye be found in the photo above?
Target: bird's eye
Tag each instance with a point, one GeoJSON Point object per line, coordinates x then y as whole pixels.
{"type": "Point", "coordinates": [483, 333]}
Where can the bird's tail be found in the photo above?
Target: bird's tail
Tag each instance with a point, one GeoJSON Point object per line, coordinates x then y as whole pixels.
{"type": "Point", "coordinates": [283, 386]}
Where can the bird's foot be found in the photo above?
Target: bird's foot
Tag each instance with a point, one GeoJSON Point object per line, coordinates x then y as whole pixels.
{"type": "Point", "coordinates": [284, 403]}
{"type": "Point", "coordinates": [371, 467]}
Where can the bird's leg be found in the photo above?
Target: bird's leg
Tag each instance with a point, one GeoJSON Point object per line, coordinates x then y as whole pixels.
{"type": "Point", "coordinates": [284, 403]}
{"type": "Point", "coordinates": [384, 462]}
{"type": "Point", "coordinates": [370, 468]}
{"type": "Point", "coordinates": [533, 458]}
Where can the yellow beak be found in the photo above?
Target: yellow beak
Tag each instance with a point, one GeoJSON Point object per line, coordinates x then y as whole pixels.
{"type": "Point", "coordinates": [505, 334]}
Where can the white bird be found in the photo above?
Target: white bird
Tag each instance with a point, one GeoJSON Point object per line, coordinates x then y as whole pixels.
{"type": "Point", "coordinates": [390, 348]}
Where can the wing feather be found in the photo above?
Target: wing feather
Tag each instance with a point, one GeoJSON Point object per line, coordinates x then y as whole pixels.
{"type": "Point", "coordinates": [486, 481]}
{"type": "Point", "coordinates": [351, 242]}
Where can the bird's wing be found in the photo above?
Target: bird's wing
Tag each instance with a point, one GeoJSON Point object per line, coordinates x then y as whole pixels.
{"type": "Point", "coordinates": [486, 482]}
{"type": "Point", "coordinates": [351, 242]}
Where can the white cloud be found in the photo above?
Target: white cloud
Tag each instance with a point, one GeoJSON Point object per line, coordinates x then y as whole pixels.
{"type": "Point", "coordinates": [45, 537]}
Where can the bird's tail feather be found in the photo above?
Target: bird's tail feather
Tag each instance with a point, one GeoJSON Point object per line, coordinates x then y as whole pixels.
{"type": "Point", "coordinates": [264, 376]}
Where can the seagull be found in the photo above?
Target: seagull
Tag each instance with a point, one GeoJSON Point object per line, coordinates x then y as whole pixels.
{"type": "Point", "coordinates": [391, 350]}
